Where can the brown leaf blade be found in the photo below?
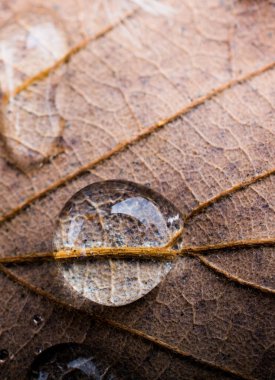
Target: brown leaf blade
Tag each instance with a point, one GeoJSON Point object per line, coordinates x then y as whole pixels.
{"type": "Point", "coordinates": [189, 111]}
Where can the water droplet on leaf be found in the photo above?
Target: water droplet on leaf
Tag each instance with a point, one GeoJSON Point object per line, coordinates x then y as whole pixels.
{"type": "Point", "coordinates": [115, 214]}
{"type": "Point", "coordinates": [37, 320]}
{"type": "Point", "coordinates": [27, 48]}
{"type": "Point", "coordinates": [70, 361]}
{"type": "Point", "coordinates": [38, 350]}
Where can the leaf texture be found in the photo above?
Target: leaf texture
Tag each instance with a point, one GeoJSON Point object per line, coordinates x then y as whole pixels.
{"type": "Point", "coordinates": [183, 103]}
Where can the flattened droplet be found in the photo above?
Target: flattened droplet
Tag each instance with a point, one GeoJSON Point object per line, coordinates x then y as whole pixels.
{"type": "Point", "coordinates": [115, 214]}
{"type": "Point", "coordinates": [29, 43]}
{"type": "Point", "coordinates": [69, 361]}
{"type": "Point", "coordinates": [29, 122]}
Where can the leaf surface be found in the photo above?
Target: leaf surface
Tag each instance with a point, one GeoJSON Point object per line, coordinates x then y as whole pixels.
{"type": "Point", "coordinates": [183, 103]}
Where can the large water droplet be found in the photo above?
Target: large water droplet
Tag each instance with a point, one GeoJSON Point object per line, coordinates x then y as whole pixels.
{"type": "Point", "coordinates": [115, 214]}
{"type": "Point", "coordinates": [70, 361]}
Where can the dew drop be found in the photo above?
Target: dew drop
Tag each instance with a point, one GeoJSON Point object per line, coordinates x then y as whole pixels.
{"type": "Point", "coordinates": [37, 320]}
{"type": "Point", "coordinates": [38, 350]}
{"type": "Point", "coordinates": [4, 355]}
{"type": "Point", "coordinates": [70, 361]}
{"type": "Point", "coordinates": [115, 214]}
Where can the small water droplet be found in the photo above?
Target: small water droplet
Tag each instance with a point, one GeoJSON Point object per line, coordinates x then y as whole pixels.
{"type": "Point", "coordinates": [115, 214]}
{"type": "Point", "coordinates": [38, 350]}
{"type": "Point", "coordinates": [4, 355]}
{"type": "Point", "coordinates": [37, 320]}
{"type": "Point", "coordinates": [70, 361]}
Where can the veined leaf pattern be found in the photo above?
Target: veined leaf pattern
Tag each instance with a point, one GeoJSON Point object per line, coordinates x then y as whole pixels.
{"type": "Point", "coordinates": [182, 101]}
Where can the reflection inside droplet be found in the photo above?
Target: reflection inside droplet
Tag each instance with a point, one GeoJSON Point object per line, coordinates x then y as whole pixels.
{"type": "Point", "coordinates": [145, 212]}
{"type": "Point", "coordinates": [115, 214]}
{"type": "Point", "coordinates": [70, 361]}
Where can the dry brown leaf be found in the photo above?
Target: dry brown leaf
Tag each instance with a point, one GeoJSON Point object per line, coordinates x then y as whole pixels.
{"type": "Point", "coordinates": [150, 101]}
